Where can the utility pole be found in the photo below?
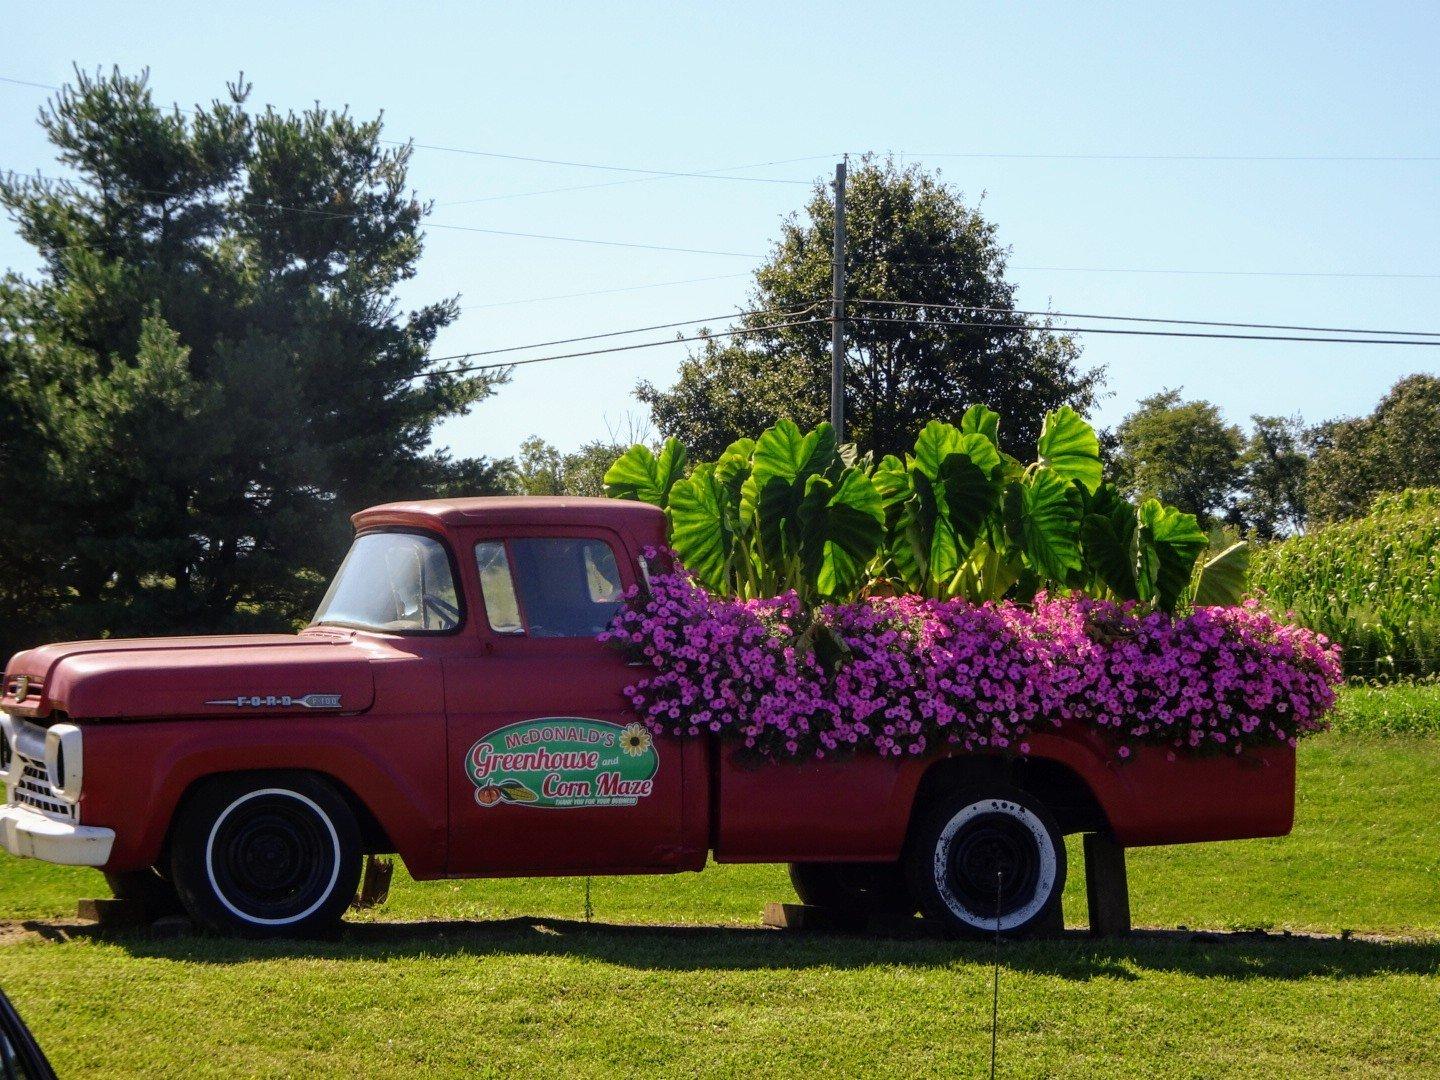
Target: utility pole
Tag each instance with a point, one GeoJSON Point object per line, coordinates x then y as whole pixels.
{"type": "Point", "coordinates": [837, 314]}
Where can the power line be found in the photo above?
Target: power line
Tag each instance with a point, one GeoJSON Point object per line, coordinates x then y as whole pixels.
{"type": "Point", "coordinates": [1182, 157]}
{"type": "Point", "coordinates": [623, 333]}
{"type": "Point", "coordinates": [252, 204]}
{"type": "Point", "coordinates": [1214, 273]}
{"type": "Point", "coordinates": [593, 241]}
{"type": "Point", "coordinates": [653, 174]}
{"type": "Point", "coordinates": [1140, 333]}
{"type": "Point", "coordinates": [465, 369]}
{"type": "Point", "coordinates": [1191, 272]}
{"type": "Point", "coordinates": [753, 255]}
{"type": "Point", "coordinates": [581, 240]}
{"type": "Point", "coordinates": [788, 313]}
{"type": "Point", "coordinates": [27, 82]}
{"type": "Point", "coordinates": [656, 173]}
{"type": "Point", "coordinates": [637, 180]}
{"type": "Point", "coordinates": [606, 292]}
{"type": "Point", "coordinates": [1145, 318]}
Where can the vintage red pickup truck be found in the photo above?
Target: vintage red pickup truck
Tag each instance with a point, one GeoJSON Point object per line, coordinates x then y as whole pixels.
{"type": "Point", "coordinates": [450, 703]}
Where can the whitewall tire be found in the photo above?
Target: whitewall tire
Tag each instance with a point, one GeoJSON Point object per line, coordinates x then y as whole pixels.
{"type": "Point", "coordinates": [987, 860]}
{"type": "Point", "coordinates": [266, 854]}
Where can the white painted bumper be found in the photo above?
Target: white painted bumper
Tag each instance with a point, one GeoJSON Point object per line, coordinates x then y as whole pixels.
{"type": "Point", "coordinates": [27, 832]}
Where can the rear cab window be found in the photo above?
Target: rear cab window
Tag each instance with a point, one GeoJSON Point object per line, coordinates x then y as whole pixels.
{"type": "Point", "coordinates": [549, 587]}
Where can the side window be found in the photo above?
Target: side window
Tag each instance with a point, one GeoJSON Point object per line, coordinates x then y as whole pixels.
{"type": "Point", "coordinates": [549, 586]}
{"type": "Point", "coordinates": [498, 588]}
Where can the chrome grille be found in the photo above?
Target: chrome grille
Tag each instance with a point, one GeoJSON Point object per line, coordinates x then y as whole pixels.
{"type": "Point", "coordinates": [32, 788]}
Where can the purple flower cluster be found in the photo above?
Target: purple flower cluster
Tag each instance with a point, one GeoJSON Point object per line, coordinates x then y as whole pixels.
{"type": "Point", "coordinates": [1218, 679]}
{"type": "Point", "coordinates": [904, 675]}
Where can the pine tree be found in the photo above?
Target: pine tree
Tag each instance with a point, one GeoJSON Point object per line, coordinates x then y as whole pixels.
{"type": "Point", "coordinates": [211, 370]}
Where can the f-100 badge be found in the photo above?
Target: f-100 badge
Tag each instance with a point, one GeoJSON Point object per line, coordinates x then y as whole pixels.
{"type": "Point", "coordinates": [281, 701]}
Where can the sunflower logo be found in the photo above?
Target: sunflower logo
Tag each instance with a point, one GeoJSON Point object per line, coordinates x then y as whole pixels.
{"type": "Point", "coordinates": [635, 740]}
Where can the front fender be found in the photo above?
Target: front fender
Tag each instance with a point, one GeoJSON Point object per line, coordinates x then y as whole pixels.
{"type": "Point", "coordinates": [138, 773]}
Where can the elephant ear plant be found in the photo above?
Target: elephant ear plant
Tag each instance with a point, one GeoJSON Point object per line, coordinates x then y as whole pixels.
{"type": "Point", "coordinates": [781, 512]}
{"type": "Point", "coordinates": [956, 518]}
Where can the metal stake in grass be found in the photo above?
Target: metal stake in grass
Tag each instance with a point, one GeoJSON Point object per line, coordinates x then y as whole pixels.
{"type": "Point", "coordinates": [589, 911]}
{"type": "Point", "coordinates": [995, 995]}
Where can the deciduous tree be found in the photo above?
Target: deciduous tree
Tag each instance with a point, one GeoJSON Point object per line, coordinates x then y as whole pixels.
{"type": "Point", "coordinates": [1275, 464]}
{"type": "Point", "coordinates": [1395, 447]}
{"type": "Point", "coordinates": [1180, 452]}
{"type": "Point", "coordinates": [932, 330]}
{"type": "Point", "coordinates": [541, 469]}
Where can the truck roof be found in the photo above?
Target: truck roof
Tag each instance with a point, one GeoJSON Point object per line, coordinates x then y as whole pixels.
{"type": "Point", "coordinates": [617, 514]}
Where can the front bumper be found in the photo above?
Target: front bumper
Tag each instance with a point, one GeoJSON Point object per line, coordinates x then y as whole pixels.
{"type": "Point", "coordinates": [31, 834]}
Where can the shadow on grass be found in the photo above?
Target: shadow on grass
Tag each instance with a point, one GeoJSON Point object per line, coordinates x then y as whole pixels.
{"type": "Point", "coordinates": [1074, 955]}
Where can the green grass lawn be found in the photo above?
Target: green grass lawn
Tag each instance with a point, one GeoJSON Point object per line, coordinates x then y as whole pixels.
{"type": "Point", "coordinates": [504, 977]}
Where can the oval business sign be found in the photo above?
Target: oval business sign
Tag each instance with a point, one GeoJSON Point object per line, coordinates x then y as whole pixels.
{"type": "Point", "coordinates": [563, 762]}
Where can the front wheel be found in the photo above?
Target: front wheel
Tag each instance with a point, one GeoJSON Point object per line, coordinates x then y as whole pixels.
{"type": "Point", "coordinates": [987, 860]}
{"type": "Point", "coordinates": [866, 888]}
{"type": "Point", "coordinates": [267, 855]}
{"type": "Point", "coordinates": [145, 887]}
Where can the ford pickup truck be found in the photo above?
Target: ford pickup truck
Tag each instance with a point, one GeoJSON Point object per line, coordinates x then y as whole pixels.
{"type": "Point", "coordinates": [450, 703]}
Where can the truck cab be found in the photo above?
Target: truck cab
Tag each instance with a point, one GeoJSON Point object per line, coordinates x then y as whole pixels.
{"type": "Point", "coordinates": [450, 702]}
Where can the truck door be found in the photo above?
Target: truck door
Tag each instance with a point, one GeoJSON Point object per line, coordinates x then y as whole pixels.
{"type": "Point", "coordinates": [546, 771]}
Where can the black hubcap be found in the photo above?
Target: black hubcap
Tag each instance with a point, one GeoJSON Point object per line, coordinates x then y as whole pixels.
{"type": "Point", "coordinates": [272, 857]}
{"type": "Point", "coordinates": [994, 866]}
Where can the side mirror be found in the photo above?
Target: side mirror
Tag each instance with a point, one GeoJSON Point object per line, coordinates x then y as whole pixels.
{"type": "Point", "coordinates": [20, 1055]}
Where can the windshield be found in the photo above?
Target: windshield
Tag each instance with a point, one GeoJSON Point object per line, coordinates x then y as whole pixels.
{"type": "Point", "coordinates": [393, 582]}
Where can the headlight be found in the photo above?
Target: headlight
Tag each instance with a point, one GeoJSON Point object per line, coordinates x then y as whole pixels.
{"type": "Point", "coordinates": [64, 762]}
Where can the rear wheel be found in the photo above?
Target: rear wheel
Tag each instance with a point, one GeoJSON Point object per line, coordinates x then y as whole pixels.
{"type": "Point", "coordinates": [269, 855]}
{"type": "Point", "coordinates": [987, 859]}
{"type": "Point", "coordinates": [869, 888]}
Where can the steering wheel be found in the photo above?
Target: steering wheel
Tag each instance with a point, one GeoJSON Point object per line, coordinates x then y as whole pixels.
{"type": "Point", "coordinates": [446, 611]}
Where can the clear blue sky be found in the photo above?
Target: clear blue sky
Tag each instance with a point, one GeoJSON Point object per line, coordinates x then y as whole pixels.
{"type": "Point", "coordinates": [692, 87]}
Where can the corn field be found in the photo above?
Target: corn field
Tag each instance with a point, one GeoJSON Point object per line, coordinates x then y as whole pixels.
{"type": "Point", "coordinates": [1372, 584]}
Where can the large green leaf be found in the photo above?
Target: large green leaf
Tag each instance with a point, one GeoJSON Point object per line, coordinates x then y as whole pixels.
{"type": "Point", "coordinates": [1070, 447]}
{"type": "Point", "coordinates": [892, 481]}
{"type": "Point", "coordinates": [978, 420]}
{"type": "Point", "coordinates": [1221, 581]}
{"type": "Point", "coordinates": [1107, 534]}
{"type": "Point", "coordinates": [951, 493]}
{"type": "Point", "coordinates": [893, 484]}
{"type": "Point", "coordinates": [987, 573]}
{"type": "Point", "coordinates": [784, 459]}
{"type": "Point", "coordinates": [733, 468]}
{"type": "Point", "coordinates": [641, 475]}
{"type": "Point", "coordinates": [702, 517]}
{"type": "Point", "coordinates": [1169, 542]}
{"type": "Point", "coordinates": [1042, 513]}
{"type": "Point", "coordinates": [783, 451]}
{"type": "Point", "coordinates": [929, 529]}
{"type": "Point", "coordinates": [970, 493]}
{"type": "Point", "coordinates": [937, 441]}
{"type": "Point", "coordinates": [841, 524]}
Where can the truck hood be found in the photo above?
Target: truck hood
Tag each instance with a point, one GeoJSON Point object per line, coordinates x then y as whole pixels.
{"type": "Point", "coordinates": [261, 674]}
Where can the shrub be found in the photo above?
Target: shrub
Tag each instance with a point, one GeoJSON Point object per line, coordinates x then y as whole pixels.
{"type": "Point", "coordinates": [1371, 584]}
